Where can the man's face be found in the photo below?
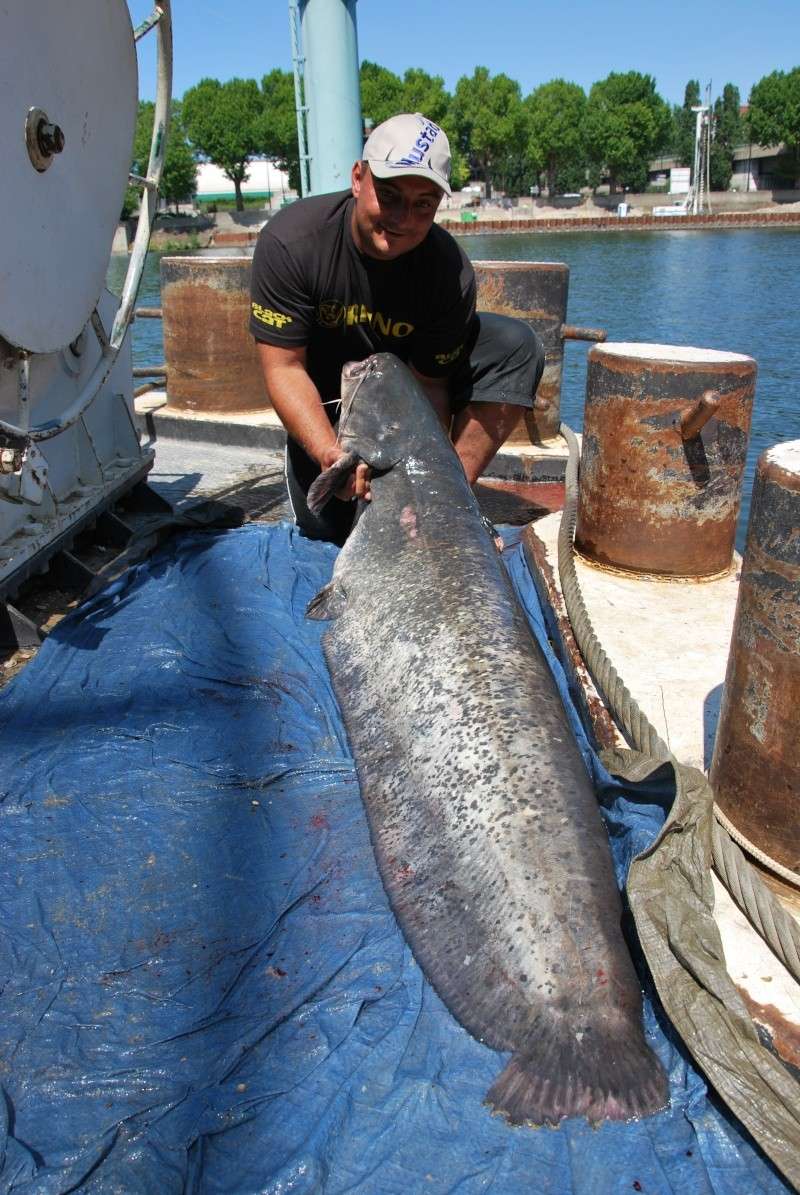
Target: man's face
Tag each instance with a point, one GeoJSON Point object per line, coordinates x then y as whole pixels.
{"type": "Point", "coordinates": [391, 216]}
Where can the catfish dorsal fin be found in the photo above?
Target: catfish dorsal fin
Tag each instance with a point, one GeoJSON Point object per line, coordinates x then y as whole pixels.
{"type": "Point", "coordinates": [329, 481]}
{"type": "Point", "coordinates": [328, 603]}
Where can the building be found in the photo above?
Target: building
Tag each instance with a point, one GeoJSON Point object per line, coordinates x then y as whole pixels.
{"type": "Point", "coordinates": [264, 181]}
{"type": "Point", "coordinates": [755, 168]}
{"type": "Point", "coordinates": [758, 168]}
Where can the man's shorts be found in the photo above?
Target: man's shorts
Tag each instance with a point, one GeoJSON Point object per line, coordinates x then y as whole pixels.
{"type": "Point", "coordinates": [504, 364]}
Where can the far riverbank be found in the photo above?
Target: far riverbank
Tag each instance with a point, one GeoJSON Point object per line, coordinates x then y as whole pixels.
{"type": "Point", "coordinates": [461, 216]}
{"type": "Point", "coordinates": [789, 218]}
{"type": "Point", "coordinates": [505, 223]}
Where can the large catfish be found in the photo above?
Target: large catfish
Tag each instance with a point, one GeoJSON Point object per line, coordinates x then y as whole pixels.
{"type": "Point", "coordinates": [484, 823]}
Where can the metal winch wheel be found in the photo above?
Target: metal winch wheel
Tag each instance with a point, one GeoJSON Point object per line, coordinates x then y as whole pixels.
{"type": "Point", "coordinates": [68, 108]}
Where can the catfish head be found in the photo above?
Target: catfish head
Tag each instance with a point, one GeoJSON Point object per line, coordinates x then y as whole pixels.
{"type": "Point", "coordinates": [384, 410]}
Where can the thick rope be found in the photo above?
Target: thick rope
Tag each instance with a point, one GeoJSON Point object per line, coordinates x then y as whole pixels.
{"type": "Point", "coordinates": [754, 898]}
{"type": "Point", "coordinates": [755, 852]}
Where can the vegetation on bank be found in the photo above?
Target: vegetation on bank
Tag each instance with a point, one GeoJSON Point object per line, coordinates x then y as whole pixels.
{"type": "Point", "coordinates": [558, 137]}
{"type": "Point", "coordinates": [186, 242]}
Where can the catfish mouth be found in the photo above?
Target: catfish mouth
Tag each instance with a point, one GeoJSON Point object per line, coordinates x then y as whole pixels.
{"type": "Point", "coordinates": [353, 374]}
{"type": "Point", "coordinates": [354, 369]}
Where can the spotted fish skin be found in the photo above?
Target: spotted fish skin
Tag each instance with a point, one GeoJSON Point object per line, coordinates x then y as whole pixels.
{"type": "Point", "coordinates": [483, 819]}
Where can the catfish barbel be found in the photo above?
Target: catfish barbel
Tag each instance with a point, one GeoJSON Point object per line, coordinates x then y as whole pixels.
{"type": "Point", "coordinates": [484, 822]}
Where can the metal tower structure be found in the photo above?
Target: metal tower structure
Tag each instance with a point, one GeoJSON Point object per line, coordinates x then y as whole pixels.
{"type": "Point", "coordinates": [699, 198]}
{"type": "Point", "coordinates": [298, 66]}
{"type": "Point", "coordinates": [327, 91]}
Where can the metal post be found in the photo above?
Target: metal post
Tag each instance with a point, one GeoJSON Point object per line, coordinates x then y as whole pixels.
{"type": "Point", "coordinates": [664, 447]}
{"type": "Point", "coordinates": [756, 767]}
{"type": "Point", "coordinates": [298, 63]}
{"type": "Point", "coordinates": [332, 91]}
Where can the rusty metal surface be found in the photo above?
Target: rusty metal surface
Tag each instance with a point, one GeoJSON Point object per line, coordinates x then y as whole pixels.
{"type": "Point", "coordinates": [518, 502]}
{"type": "Point", "coordinates": [781, 1035]}
{"type": "Point", "coordinates": [573, 332]}
{"type": "Point", "coordinates": [650, 500]}
{"type": "Point", "coordinates": [212, 363]}
{"type": "Point", "coordinates": [694, 419]}
{"type": "Point", "coordinates": [755, 771]}
{"type": "Point", "coordinates": [211, 359]}
{"type": "Point", "coordinates": [536, 292]}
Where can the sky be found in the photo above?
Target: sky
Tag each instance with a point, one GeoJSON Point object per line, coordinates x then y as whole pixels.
{"type": "Point", "coordinates": [717, 41]}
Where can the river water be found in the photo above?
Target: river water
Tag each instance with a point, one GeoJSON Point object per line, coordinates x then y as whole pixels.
{"type": "Point", "coordinates": [734, 290]}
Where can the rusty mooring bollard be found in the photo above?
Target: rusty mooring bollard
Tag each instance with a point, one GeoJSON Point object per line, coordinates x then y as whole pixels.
{"type": "Point", "coordinates": [755, 772]}
{"type": "Point", "coordinates": [211, 361]}
{"type": "Point", "coordinates": [535, 291]}
{"type": "Point", "coordinates": [209, 353]}
{"type": "Point", "coordinates": [664, 445]}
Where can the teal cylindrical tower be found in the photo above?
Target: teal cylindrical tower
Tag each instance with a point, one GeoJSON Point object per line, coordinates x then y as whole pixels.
{"type": "Point", "coordinates": [332, 94]}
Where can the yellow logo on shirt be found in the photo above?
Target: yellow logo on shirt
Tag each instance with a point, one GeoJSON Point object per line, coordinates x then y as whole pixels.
{"type": "Point", "coordinates": [333, 314]}
{"type": "Point", "coordinates": [446, 358]}
{"type": "Point", "coordinates": [274, 319]}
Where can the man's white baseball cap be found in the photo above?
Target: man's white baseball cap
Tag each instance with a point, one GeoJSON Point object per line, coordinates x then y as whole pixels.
{"type": "Point", "coordinates": [409, 144]}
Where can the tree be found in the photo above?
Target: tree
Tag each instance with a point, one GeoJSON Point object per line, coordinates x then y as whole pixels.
{"type": "Point", "coordinates": [728, 123]}
{"type": "Point", "coordinates": [488, 121]}
{"type": "Point", "coordinates": [684, 124]}
{"type": "Point", "coordinates": [627, 123]}
{"type": "Point", "coordinates": [384, 94]}
{"type": "Point", "coordinates": [728, 130]}
{"type": "Point", "coordinates": [424, 93]}
{"type": "Point", "coordinates": [381, 93]}
{"type": "Point", "coordinates": [279, 123]}
{"type": "Point", "coordinates": [774, 114]}
{"type": "Point", "coordinates": [224, 123]}
{"type": "Point", "coordinates": [555, 117]}
{"type": "Point", "coordinates": [179, 177]}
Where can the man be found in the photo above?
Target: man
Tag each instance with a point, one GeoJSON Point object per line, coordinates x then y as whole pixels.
{"type": "Point", "coordinates": [339, 277]}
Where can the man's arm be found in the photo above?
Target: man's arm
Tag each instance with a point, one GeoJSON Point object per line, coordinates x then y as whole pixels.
{"type": "Point", "coordinates": [298, 405]}
{"type": "Point", "coordinates": [477, 432]}
{"type": "Point", "coordinates": [438, 393]}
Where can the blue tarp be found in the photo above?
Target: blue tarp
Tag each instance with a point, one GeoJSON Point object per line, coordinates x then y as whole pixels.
{"type": "Point", "coordinates": [202, 987]}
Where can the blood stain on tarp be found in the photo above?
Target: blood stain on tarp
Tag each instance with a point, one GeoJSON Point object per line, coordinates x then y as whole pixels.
{"type": "Point", "coordinates": [275, 972]}
{"type": "Point", "coordinates": [319, 822]}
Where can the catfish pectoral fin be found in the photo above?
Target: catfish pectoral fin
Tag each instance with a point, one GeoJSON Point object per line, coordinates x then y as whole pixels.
{"type": "Point", "coordinates": [329, 481]}
{"type": "Point", "coordinates": [602, 1080]}
{"type": "Point", "coordinates": [328, 603]}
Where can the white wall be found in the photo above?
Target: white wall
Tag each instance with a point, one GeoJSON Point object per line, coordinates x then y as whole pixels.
{"type": "Point", "coordinates": [261, 176]}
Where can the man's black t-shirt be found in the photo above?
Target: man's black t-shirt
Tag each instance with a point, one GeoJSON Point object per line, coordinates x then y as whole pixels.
{"type": "Point", "coordinates": [311, 286]}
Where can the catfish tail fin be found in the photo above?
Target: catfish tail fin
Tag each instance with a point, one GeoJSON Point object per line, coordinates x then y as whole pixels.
{"type": "Point", "coordinates": [571, 1074]}
{"type": "Point", "coordinates": [329, 481]}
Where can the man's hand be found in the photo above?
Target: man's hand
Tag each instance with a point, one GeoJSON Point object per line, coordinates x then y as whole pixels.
{"type": "Point", "coordinates": [357, 485]}
{"type": "Point", "coordinates": [299, 406]}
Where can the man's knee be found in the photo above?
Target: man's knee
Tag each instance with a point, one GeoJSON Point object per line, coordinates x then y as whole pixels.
{"type": "Point", "coordinates": [519, 343]}
{"type": "Point", "coordinates": [509, 348]}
